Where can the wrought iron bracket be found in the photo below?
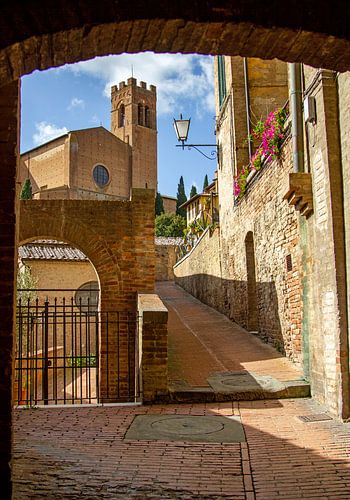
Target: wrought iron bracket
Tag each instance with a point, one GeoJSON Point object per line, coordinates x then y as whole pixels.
{"type": "Point", "coordinates": [214, 154]}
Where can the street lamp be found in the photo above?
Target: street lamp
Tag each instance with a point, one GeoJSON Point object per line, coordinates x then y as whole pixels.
{"type": "Point", "coordinates": [181, 127]}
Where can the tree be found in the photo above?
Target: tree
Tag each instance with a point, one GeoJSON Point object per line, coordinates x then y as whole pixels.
{"type": "Point", "coordinates": [181, 198]}
{"type": "Point", "coordinates": [26, 193]}
{"type": "Point", "coordinates": [169, 225]}
{"type": "Point", "coordinates": [25, 284]}
{"type": "Point", "coordinates": [193, 191]}
{"type": "Point", "coordinates": [205, 183]}
{"type": "Point", "coordinates": [159, 205]}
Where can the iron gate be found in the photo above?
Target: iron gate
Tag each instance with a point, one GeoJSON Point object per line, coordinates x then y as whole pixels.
{"type": "Point", "coordinates": [69, 353]}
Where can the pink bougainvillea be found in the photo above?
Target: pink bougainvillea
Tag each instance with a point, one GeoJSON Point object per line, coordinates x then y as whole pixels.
{"type": "Point", "coordinates": [271, 133]}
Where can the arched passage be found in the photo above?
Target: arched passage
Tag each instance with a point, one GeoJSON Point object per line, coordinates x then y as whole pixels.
{"type": "Point", "coordinates": [34, 36]}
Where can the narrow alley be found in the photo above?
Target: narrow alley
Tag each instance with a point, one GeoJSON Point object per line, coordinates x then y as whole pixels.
{"type": "Point", "coordinates": [202, 342]}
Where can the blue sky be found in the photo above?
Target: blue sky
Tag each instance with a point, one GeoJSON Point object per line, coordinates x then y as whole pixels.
{"type": "Point", "coordinates": [78, 96]}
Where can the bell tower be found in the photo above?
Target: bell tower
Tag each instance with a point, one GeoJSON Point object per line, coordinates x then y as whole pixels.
{"type": "Point", "coordinates": [134, 121]}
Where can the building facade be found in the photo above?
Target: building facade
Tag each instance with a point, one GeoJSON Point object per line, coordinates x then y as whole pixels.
{"type": "Point", "coordinates": [278, 263]}
{"type": "Point", "coordinates": [95, 163]}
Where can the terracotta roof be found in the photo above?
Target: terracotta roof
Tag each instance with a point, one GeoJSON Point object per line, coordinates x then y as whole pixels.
{"type": "Point", "coordinates": [50, 250]}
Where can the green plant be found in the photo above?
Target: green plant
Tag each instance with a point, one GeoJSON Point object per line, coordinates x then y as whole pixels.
{"type": "Point", "coordinates": [26, 193]}
{"type": "Point", "coordinates": [169, 225]}
{"type": "Point", "coordinates": [159, 205]}
{"type": "Point", "coordinates": [181, 198]}
{"type": "Point", "coordinates": [193, 191]}
{"type": "Point", "coordinates": [83, 361]}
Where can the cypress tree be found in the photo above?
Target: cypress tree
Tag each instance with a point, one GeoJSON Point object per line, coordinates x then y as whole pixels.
{"type": "Point", "coordinates": [205, 183]}
{"type": "Point", "coordinates": [193, 191]}
{"type": "Point", "coordinates": [159, 205]}
{"type": "Point", "coordinates": [26, 193]}
{"type": "Point", "coordinates": [181, 198]}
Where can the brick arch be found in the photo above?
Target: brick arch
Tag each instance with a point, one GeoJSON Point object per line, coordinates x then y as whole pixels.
{"type": "Point", "coordinates": [116, 236]}
{"type": "Point", "coordinates": [41, 221]}
{"type": "Point", "coordinates": [34, 36]}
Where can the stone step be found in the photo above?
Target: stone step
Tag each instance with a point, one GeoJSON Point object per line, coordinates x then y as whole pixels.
{"type": "Point", "coordinates": [286, 389]}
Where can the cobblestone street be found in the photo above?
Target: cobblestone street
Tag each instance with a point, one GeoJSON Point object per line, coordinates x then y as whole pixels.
{"type": "Point", "coordinates": [71, 453]}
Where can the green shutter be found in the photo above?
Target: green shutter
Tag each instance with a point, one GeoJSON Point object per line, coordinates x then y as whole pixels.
{"type": "Point", "coordinates": [222, 79]}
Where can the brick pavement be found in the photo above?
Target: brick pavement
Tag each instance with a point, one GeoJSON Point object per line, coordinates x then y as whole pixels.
{"type": "Point", "coordinates": [202, 341]}
{"type": "Point", "coordinates": [71, 453]}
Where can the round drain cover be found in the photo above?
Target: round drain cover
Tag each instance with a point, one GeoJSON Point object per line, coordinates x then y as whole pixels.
{"type": "Point", "coordinates": [186, 426]}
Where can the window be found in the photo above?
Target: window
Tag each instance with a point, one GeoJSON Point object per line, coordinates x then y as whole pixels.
{"type": "Point", "coordinates": [121, 115]}
{"type": "Point", "coordinates": [101, 176]}
{"type": "Point", "coordinates": [221, 79]}
{"type": "Point", "coordinates": [86, 297]}
{"type": "Point", "coordinates": [147, 117]}
{"type": "Point", "coordinates": [140, 114]}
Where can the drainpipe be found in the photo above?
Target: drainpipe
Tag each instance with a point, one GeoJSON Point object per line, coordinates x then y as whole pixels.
{"type": "Point", "coordinates": [247, 104]}
{"type": "Point", "coordinates": [297, 117]}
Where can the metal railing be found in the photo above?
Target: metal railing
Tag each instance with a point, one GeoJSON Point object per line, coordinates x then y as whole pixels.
{"type": "Point", "coordinates": [69, 353]}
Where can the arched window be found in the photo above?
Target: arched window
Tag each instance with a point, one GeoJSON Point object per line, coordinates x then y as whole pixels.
{"type": "Point", "coordinates": [147, 117]}
{"type": "Point", "coordinates": [140, 114]}
{"type": "Point", "coordinates": [101, 176]}
{"type": "Point", "coordinates": [121, 115]}
{"type": "Point", "coordinates": [86, 297]}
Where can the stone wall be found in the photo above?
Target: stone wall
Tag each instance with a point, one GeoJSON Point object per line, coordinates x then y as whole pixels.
{"type": "Point", "coordinates": [327, 307]}
{"type": "Point", "coordinates": [165, 261]}
{"type": "Point", "coordinates": [218, 271]}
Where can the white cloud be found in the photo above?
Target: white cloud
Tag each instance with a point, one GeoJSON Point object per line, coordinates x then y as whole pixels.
{"type": "Point", "coordinates": [95, 120]}
{"type": "Point", "coordinates": [178, 77]}
{"type": "Point", "coordinates": [47, 131]}
{"type": "Point", "coordinates": [76, 103]}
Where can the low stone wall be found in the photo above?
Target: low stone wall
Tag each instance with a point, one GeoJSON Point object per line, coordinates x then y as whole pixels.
{"type": "Point", "coordinates": [153, 347]}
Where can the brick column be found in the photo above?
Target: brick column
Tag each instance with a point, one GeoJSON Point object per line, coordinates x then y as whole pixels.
{"type": "Point", "coordinates": [9, 107]}
{"type": "Point", "coordinates": [153, 347]}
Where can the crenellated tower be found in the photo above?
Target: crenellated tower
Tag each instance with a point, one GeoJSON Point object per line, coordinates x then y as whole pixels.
{"type": "Point", "coordinates": [134, 121]}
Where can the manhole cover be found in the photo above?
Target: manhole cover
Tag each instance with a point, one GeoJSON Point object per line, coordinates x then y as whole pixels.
{"type": "Point", "coordinates": [210, 429]}
{"type": "Point", "coordinates": [185, 426]}
{"type": "Point", "coordinates": [317, 417]}
{"type": "Point", "coordinates": [244, 382]}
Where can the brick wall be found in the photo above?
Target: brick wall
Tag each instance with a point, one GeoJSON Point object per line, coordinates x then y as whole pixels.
{"type": "Point", "coordinates": [69, 162]}
{"type": "Point", "coordinates": [153, 359]}
{"type": "Point", "coordinates": [118, 238]}
{"type": "Point", "coordinates": [9, 110]}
